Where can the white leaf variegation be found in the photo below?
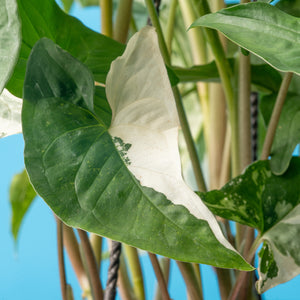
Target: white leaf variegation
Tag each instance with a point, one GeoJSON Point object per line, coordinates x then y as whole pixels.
{"type": "Point", "coordinates": [144, 115]}
{"type": "Point", "coordinates": [279, 259]}
{"type": "Point", "coordinates": [10, 114]}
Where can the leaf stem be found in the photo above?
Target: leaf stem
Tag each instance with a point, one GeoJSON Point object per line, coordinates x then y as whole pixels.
{"type": "Point", "coordinates": [123, 20]}
{"type": "Point", "coordinates": [91, 264]}
{"type": "Point", "coordinates": [71, 245]}
{"type": "Point", "coordinates": [276, 115]}
{"type": "Point", "coordinates": [159, 276]}
{"type": "Point", "coordinates": [124, 284]}
{"type": "Point", "coordinates": [96, 243]}
{"type": "Point", "coordinates": [226, 77]}
{"type": "Point", "coordinates": [61, 260]}
{"type": "Point", "coordinates": [106, 17]}
{"type": "Point", "coordinates": [170, 25]}
{"type": "Point", "coordinates": [190, 280]}
{"type": "Point", "coordinates": [136, 271]}
{"type": "Point", "coordinates": [180, 109]}
{"type": "Point", "coordinates": [165, 267]}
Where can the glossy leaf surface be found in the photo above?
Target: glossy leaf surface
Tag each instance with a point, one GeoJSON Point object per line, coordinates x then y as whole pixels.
{"type": "Point", "coordinates": [21, 195]}
{"type": "Point", "coordinates": [288, 131]}
{"type": "Point", "coordinates": [262, 29]}
{"type": "Point", "coordinates": [10, 39]}
{"type": "Point", "coordinates": [45, 19]}
{"type": "Point", "coordinates": [269, 203]}
{"type": "Point", "coordinates": [81, 167]}
{"type": "Point", "coordinates": [10, 114]}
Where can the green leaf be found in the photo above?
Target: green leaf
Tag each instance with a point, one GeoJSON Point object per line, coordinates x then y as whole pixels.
{"type": "Point", "coordinates": [85, 3]}
{"type": "Point", "coordinates": [10, 39]}
{"type": "Point", "coordinates": [271, 204]}
{"type": "Point", "coordinates": [262, 29]}
{"type": "Point", "coordinates": [10, 114]}
{"type": "Point", "coordinates": [264, 77]}
{"type": "Point", "coordinates": [21, 196]}
{"type": "Point", "coordinates": [45, 19]}
{"type": "Point", "coordinates": [291, 7]}
{"type": "Point", "coordinates": [288, 130]}
{"type": "Point", "coordinates": [108, 180]}
{"type": "Point", "coordinates": [67, 4]}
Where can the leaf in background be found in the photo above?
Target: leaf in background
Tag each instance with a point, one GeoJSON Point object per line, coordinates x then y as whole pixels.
{"type": "Point", "coordinates": [291, 7]}
{"type": "Point", "coordinates": [21, 195]}
{"type": "Point", "coordinates": [85, 3]}
{"type": "Point", "coordinates": [10, 114]}
{"type": "Point", "coordinates": [262, 29]}
{"type": "Point", "coordinates": [287, 134]}
{"type": "Point", "coordinates": [264, 77]}
{"type": "Point", "coordinates": [10, 39]}
{"type": "Point", "coordinates": [67, 4]}
{"type": "Point", "coordinates": [45, 19]}
{"type": "Point", "coordinates": [271, 204]}
{"type": "Point", "coordinates": [82, 168]}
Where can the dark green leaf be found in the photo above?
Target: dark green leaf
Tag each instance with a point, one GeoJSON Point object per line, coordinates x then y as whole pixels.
{"type": "Point", "coordinates": [291, 7]}
{"type": "Point", "coordinates": [21, 196]}
{"type": "Point", "coordinates": [262, 29]}
{"type": "Point", "coordinates": [75, 165]}
{"type": "Point", "coordinates": [10, 39]}
{"type": "Point", "coordinates": [288, 131]}
{"type": "Point", "coordinates": [45, 19]}
{"type": "Point", "coordinates": [271, 204]}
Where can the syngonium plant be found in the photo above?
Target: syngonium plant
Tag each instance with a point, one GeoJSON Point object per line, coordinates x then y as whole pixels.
{"type": "Point", "coordinates": [101, 120]}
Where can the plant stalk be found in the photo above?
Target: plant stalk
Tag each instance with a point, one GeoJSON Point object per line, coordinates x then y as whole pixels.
{"type": "Point", "coordinates": [91, 264]}
{"type": "Point", "coordinates": [71, 245]}
{"type": "Point", "coordinates": [165, 267]}
{"type": "Point", "coordinates": [190, 280]}
{"type": "Point", "coordinates": [96, 243]}
{"type": "Point", "coordinates": [123, 20]}
{"type": "Point", "coordinates": [276, 115]}
{"type": "Point", "coordinates": [61, 260]}
{"type": "Point", "coordinates": [170, 25]}
{"type": "Point", "coordinates": [106, 17]}
{"type": "Point", "coordinates": [136, 271]}
{"type": "Point", "coordinates": [124, 284]}
{"type": "Point", "coordinates": [159, 276]}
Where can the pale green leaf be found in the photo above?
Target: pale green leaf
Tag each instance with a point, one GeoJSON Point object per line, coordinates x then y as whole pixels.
{"type": "Point", "coordinates": [271, 204]}
{"type": "Point", "coordinates": [81, 167]}
{"type": "Point", "coordinates": [10, 114]}
{"type": "Point", "coordinates": [287, 134]}
{"type": "Point", "coordinates": [10, 39]}
{"type": "Point", "coordinates": [67, 4]}
{"type": "Point", "coordinates": [21, 195]}
{"type": "Point", "coordinates": [262, 29]}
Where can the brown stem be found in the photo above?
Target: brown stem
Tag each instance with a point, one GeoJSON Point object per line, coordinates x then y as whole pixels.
{"type": "Point", "coordinates": [159, 276]}
{"type": "Point", "coordinates": [61, 260]}
{"type": "Point", "coordinates": [91, 265]}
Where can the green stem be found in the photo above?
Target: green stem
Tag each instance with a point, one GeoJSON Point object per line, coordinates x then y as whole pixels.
{"type": "Point", "coordinates": [124, 284]}
{"type": "Point", "coordinates": [190, 280]}
{"type": "Point", "coordinates": [96, 243]}
{"type": "Point", "coordinates": [91, 265]}
{"type": "Point", "coordinates": [170, 25]}
{"type": "Point", "coordinates": [165, 267]}
{"type": "Point", "coordinates": [106, 17]}
{"type": "Point", "coordinates": [159, 277]}
{"type": "Point", "coordinates": [276, 115]}
{"type": "Point", "coordinates": [123, 20]}
{"type": "Point", "coordinates": [61, 260]}
{"type": "Point", "coordinates": [226, 77]}
{"type": "Point", "coordinates": [180, 109]}
{"type": "Point", "coordinates": [136, 271]}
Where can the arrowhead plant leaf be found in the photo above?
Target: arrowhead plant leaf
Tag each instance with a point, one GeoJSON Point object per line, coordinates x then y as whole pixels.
{"type": "Point", "coordinates": [122, 181]}
{"type": "Point", "coordinates": [271, 204]}
{"type": "Point", "coordinates": [261, 29]}
{"type": "Point", "coordinates": [10, 114]}
{"type": "Point", "coordinates": [10, 39]}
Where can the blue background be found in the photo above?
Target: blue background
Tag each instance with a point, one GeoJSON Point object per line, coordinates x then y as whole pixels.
{"type": "Point", "coordinates": [29, 269]}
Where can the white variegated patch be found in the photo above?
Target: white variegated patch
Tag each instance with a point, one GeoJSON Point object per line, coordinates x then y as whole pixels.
{"type": "Point", "coordinates": [283, 239]}
{"type": "Point", "coordinates": [10, 114]}
{"type": "Point", "coordinates": [144, 115]}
